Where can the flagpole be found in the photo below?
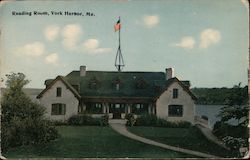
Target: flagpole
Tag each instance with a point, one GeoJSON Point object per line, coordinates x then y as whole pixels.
{"type": "Point", "coordinates": [119, 63]}
{"type": "Point", "coordinates": [119, 67]}
{"type": "Point", "coordinates": [119, 33]}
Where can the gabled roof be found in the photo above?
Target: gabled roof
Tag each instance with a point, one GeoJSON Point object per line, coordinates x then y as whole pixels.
{"type": "Point", "coordinates": [76, 94]}
{"type": "Point", "coordinates": [96, 84]}
{"type": "Point", "coordinates": [183, 84]}
{"type": "Point", "coordinates": [107, 83]}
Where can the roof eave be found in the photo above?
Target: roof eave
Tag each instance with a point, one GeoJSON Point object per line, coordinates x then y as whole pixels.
{"type": "Point", "coordinates": [76, 94]}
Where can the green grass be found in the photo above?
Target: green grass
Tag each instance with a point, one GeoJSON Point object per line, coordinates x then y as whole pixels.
{"type": "Point", "coordinates": [91, 141]}
{"type": "Point", "coordinates": [189, 138]}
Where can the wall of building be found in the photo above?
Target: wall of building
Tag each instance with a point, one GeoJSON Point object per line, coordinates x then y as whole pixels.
{"type": "Point", "coordinates": [184, 99]}
{"type": "Point", "coordinates": [67, 97]}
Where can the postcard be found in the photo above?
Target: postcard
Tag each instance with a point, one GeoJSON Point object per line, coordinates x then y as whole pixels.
{"type": "Point", "coordinates": [124, 79]}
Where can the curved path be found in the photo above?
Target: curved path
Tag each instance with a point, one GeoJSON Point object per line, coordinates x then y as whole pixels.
{"type": "Point", "coordinates": [119, 126]}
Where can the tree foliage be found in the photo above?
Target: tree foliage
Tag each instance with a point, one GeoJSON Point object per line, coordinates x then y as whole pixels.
{"type": "Point", "coordinates": [237, 109]}
{"type": "Point", "coordinates": [23, 121]}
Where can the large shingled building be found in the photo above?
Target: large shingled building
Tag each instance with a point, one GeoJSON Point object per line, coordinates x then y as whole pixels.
{"type": "Point", "coordinates": [118, 93]}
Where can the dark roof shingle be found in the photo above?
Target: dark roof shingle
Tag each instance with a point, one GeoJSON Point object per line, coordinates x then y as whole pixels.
{"type": "Point", "coordinates": [107, 80]}
{"type": "Point", "coordinates": [103, 84]}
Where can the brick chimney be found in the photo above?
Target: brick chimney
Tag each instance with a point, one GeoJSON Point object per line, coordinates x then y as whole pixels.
{"type": "Point", "coordinates": [169, 73]}
{"type": "Point", "coordinates": [82, 71]}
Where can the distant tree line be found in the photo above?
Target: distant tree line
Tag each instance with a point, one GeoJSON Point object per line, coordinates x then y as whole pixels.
{"type": "Point", "coordinates": [219, 96]}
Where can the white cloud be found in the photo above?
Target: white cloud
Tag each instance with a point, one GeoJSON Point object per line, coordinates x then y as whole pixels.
{"type": "Point", "coordinates": [186, 42]}
{"type": "Point", "coordinates": [32, 49]}
{"type": "Point", "coordinates": [52, 59]}
{"type": "Point", "coordinates": [71, 34]}
{"type": "Point", "coordinates": [150, 21]}
{"type": "Point", "coordinates": [51, 32]}
{"type": "Point", "coordinates": [208, 37]}
{"type": "Point", "coordinates": [91, 46]}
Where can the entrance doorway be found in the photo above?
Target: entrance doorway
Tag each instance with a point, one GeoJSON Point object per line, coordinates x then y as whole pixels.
{"type": "Point", "coordinates": [117, 109]}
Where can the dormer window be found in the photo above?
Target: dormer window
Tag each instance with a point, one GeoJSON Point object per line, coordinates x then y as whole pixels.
{"type": "Point", "coordinates": [117, 86]}
{"type": "Point", "coordinates": [175, 93]}
{"type": "Point", "coordinates": [117, 83]}
{"type": "Point", "coordinates": [58, 91]}
{"type": "Point", "coordinates": [94, 83]}
{"type": "Point", "coordinates": [141, 84]}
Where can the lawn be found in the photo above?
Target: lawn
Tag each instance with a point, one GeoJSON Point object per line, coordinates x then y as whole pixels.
{"type": "Point", "coordinates": [92, 142]}
{"type": "Point", "coordinates": [189, 138]}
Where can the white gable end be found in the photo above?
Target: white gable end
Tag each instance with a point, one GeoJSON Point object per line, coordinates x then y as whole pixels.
{"type": "Point", "coordinates": [181, 100]}
{"type": "Point", "coordinates": [65, 97]}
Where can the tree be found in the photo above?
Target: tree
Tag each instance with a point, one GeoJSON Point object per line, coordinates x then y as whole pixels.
{"type": "Point", "coordinates": [23, 121]}
{"type": "Point", "coordinates": [234, 136]}
{"type": "Point", "coordinates": [236, 107]}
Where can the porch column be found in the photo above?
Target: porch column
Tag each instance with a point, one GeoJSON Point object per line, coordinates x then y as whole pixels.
{"type": "Point", "coordinates": [154, 109]}
{"type": "Point", "coordinates": [129, 108]}
{"type": "Point", "coordinates": [103, 108]}
{"type": "Point", "coordinates": [107, 108]}
{"type": "Point", "coordinates": [149, 108]}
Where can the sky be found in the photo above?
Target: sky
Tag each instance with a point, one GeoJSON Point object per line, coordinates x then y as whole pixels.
{"type": "Point", "coordinates": [205, 41]}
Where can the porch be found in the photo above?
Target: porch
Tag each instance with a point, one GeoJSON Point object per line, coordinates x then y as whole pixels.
{"type": "Point", "coordinates": [116, 110]}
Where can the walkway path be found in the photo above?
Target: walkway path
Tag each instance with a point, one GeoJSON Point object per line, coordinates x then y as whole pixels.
{"type": "Point", "coordinates": [209, 135]}
{"type": "Point", "coordinates": [119, 126]}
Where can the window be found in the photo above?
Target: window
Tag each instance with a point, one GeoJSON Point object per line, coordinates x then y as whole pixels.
{"type": "Point", "coordinates": [58, 91]}
{"type": "Point", "coordinates": [175, 93]}
{"type": "Point", "coordinates": [141, 84]}
{"type": "Point", "coordinates": [117, 84]}
{"type": "Point", "coordinates": [117, 87]}
{"type": "Point", "coordinates": [58, 109]}
{"type": "Point", "coordinates": [95, 108]}
{"type": "Point", "coordinates": [117, 107]}
{"type": "Point", "coordinates": [175, 110]}
{"type": "Point", "coordinates": [140, 108]}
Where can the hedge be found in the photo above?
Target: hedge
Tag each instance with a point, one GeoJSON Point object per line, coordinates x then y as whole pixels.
{"type": "Point", "coordinates": [153, 120]}
{"type": "Point", "coordinates": [88, 120]}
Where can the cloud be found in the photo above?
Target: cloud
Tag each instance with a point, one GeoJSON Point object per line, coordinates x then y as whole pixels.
{"type": "Point", "coordinates": [91, 46]}
{"type": "Point", "coordinates": [34, 49]}
{"type": "Point", "coordinates": [208, 37]}
{"type": "Point", "coordinates": [51, 32]}
{"type": "Point", "coordinates": [150, 21]}
{"type": "Point", "coordinates": [186, 42]}
{"type": "Point", "coordinates": [52, 59]}
{"type": "Point", "coordinates": [71, 34]}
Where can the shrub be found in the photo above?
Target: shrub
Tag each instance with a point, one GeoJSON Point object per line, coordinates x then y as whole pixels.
{"type": "Point", "coordinates": [153, 120]}
{"type": "Point", "coordinates": [183, 124]}
{"type": "Point", "coordinates": [25, 131]}
{"type": "Point", "coordinates": [146, 120]}
{"type": "Point", "coordinates": [59, 123]}
{"type": "Point", "coordinates": [88, 120]}
{"type": "Point", "coordinates": [130, 119]}
{"type": "Point", "coordinates": [223, 129]}
{"type": "Point", "coordinates": [104, 120]}
{"type": "Point", "coordinates": [234, 143]}
{"type": "Point", "coordinates": [74, 120]}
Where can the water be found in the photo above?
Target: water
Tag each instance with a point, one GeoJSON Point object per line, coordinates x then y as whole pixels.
{"type": "Point", "coordinates": [211, 111]}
